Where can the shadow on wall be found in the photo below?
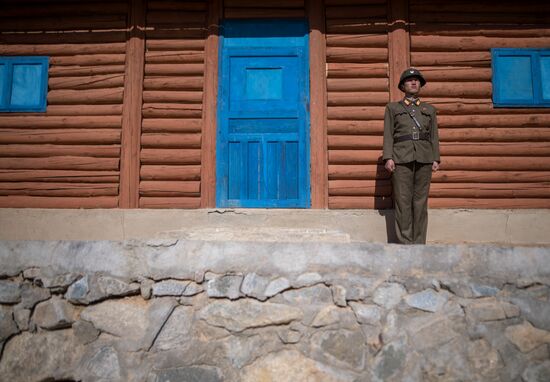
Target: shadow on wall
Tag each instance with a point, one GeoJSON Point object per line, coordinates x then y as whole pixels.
{"type": "Point", "coordinates": [390, 225]}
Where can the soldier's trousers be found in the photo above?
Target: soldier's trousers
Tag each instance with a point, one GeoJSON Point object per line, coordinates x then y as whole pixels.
{"type": "Point", "coordinates": [411, 185]}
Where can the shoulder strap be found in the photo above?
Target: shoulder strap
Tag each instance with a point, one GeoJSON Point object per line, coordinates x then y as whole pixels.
{"type": "Point", "coordinates": [410, 115]}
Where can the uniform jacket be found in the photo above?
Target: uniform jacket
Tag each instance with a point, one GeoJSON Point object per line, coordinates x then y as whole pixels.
{"type": "Point", "coordinates": [397, 122]}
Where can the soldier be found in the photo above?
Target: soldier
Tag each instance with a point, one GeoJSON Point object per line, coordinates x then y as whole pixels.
{"type": "Point", "coordinates": [411, 153]}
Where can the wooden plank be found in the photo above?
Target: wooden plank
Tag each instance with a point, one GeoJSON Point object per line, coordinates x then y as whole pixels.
{"type": "Point", "coordinates": [471, 43]}
{"type": "Point", "coordinates": [173, 83]}
{"type": "Point", "coordinates": [318, 105]}
{"type": "Point", "coordinates": [56, 122]}
{"type": "Point", "coordinates": [171, 140]}
{"type": "Point", "coordinates": [491, 30]}
{"type": "Point", "coordinates": [355, 26]}
{"type": "Point", "coordinates": [62, 49]}
{"type": "Point", "coordinates": [88, 60]}
{"type": "Point", "coordinates": [355, 112]}
{"type": "Point", "coordinates": [357, 55]}
{"type": "Point", "coordinates": [60, 136]}
{"type": "Point", "coordinates": [78, 70]}
{"type": "Point", "coordinates": [372, 171]}
{"type": "Point", "coordinates": [58, 189]}
{"type": "Point", "coordinates": [174, 5]}
{"type": "Point", "coordinates": [131, 117]}
{"type": "Point", "coordinates": [64, 37]}
{"type": "Point", "coordinates": [357, 84]}
{"type": "Point", "coordinates": [171, 110]}
{"type": "Point", "coordinates": [60, 163]}
{"type": "Point", "coordinates": [162, 96]}
{"type": "Point", "coordinates": [505, 149]}
{"type": "Point", "coordinates": [496, 163]}
{"type": "Point", "coordinates": [92, 82]}
{"type": "Point", "coordinates": [490, 190]}
{"type": "Point", "coordinates": [526, 120]}
{"type": "Point", "coordinates": [534, 203]}
{"type": "Point", "coordinates": [65, 176]}
{"type": "Point", "coordinates": [469, 59]}
{"type": "Point", "coordinates": [370, 11]}
{"type": "Point", "coordinates": [497, 134]}
{"type": "Point", "coordinates": [86, 97]}
{"type": "Point", "coordinates": [354, 156]}
{"type": "Point", "coordinates": [264, 3]}
{"type": "Point", "coordinates": [169, 188]}
{"type": "Point", "coordinates": [173, 57]}
{"type": "Point", "coordinates": [47, 150]}
{"type": "Point", "coordinates": [252, 13]}
{"type": "Point", "coordinates": [68, 8]}
{"type": "Point", "coordinates": [174, 70]}
{"type": "Point", "coordinates": [170, 202]}
{"type": "Point", "coordinates": [151, 125]}
{"type": "Point", "coordinates": [176, 18]}
{"type": "Point", "coordinates": [170, 156]}
{"type": "Point", "coordinates": [64, 23]}
{"type": "Point", "coordinates": [458, 89]}
{"type": "Point", "coordinates": [490, 176]}
{"type": "Point", "coordinates": [19, 201]}
{"type": "Point", "coordinates": [354, 142]}
{"type": "Point", "coordinates": [83, 110]}
{"type": "Point", "coordinates": [357, 40]}
{"type": "Point", "coordinates": [170, 172]}
{"type": "Point", "coordinates": [357, 70]}
{"type": "Point", "coordinates": [355, 127]}
{"type": "Point", "coordinates": [456, 74]}
{"type": "Point", "coordinates": [358, 98]}
{"type": "Point", "coordinates": [379, 187]}
{"type": "Point", "coordinates": [360, 202]}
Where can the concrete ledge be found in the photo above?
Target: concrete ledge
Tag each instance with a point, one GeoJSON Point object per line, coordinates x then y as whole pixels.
{"type": "Point", "coordinates": [510, 227]}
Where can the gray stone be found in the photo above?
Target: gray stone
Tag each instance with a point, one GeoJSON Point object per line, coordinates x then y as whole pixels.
{"type": "Point", "coordinates": [373, 337]}
{"type": "Point", "coordinates": [187, 374]}
{"type": "Point", "coordinates": [41, 356]}
{"type": "Point", "coordinates": [481, 290]}
{"type": "Point", "coordinates": [277, 286]}
{"type": "Point", "coordinates": [339, 295]}
{"type": "Point", "coordinates": [97, 287]}
{"type": "Point", "coordinates": [177, 331]}
{"type": "Point", "coordinates": [389, 295]}
{"type": "Point", "coordinates": [78, 290]}
{"type": "Point", "coordinates": [307, 279]}
{"type": "Point", "coordinates": [31, 273]}
{"type": "Point", "coordinates": [535, 310]}
{"type": "Point", "coordinates": [22, 318]}
{"type": "Point", "coordinates": [367, 314]}
{"type": "Point", "coordinates": [32, 295]}
{"type": "Point", "coordinates": [539, 372]}
{"type": "Point", "coordinates": [290, 336]}
{"type": "Point", "coordinates": [10, 292]}
{"type": "Point", "coordinates": [243, 314]}
{"type": "Point", "coordinates": [432, 333]}
{"type": "Point", "coordinates": [85, 331]}
{"type": "Point", "coordinates": [170, 288]}
{"type": "Point", "coordinates": [135, 321]}
{"type": "Point", "coordinates": [313, 295]}
{"type": "Point", "coordinates": [344, 348]}
{"type": "Point", "coordinates": [49, 278]}
{"type": "Point", "coordinates": [329, 315]}
{"type": "Point", "coordinates": [254, 285]}
{"type": "Point", "coordinates": [102, 365]}
{"type": "Point", "coordinates": [484, 359]}
{"type": "Point", "coordinates": [488, 309]}
{"type": "Point", "coordinates": [193, 289]}
{"type": "Point", "coordinates": [54, 314]}
{"type": "Point", "coordinates": [526, 337]}
{"type": "Point", "coordinates": [390, 361]}
{"type": "Point", "coordinates": [146, 288]}
{"type": "Point", "coordinates": [7, 324]}
{"type": "Point", "coordinates": [227, 286]}
{"type": "Point", "coordinates": [242, 350]}
{"type": "Point", "coordinates": [427, 300]}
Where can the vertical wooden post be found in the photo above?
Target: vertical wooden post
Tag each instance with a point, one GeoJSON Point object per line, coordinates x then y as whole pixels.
{"type": "Point", "coordinates": [399, 46]}
{"type": "Point", "coordinates": [209, 106]}
{"type": "Point", "coordinates": [132, 105]}
{"type": "Point", "coordinates": [318, 104]}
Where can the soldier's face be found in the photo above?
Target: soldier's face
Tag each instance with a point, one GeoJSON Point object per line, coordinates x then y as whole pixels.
{"type": "Point", "coordinates": [411, 86]}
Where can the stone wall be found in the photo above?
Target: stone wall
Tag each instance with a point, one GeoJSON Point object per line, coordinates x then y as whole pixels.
{"type": "Point", "coordinates": [249, 311]}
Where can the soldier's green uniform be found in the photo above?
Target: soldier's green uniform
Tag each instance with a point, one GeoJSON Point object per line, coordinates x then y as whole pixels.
{"type": "Point", "coordinates": [413, 146]}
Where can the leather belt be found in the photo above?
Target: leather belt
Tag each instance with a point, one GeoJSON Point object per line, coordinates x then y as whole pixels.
{"type": "Point", "coordinates": [412, 137]}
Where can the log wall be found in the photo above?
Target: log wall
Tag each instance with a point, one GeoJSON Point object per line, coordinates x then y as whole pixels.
{"type": "Point", "coordinates": [69, 156]}
{"type": "Point", "coordinates": [358, 90]}
{"type": "Point", "coordinates": [491, 157]}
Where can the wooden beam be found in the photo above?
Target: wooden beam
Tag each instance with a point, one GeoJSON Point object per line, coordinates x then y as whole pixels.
{"type": "Point", "coordinates": [399, 44]}
{"type": "Point", "coordinates": [210, 94]}
{"type": "Point", "coordinates": [318, 104]}
{"type": "Point", "coordinates": [131, 115]}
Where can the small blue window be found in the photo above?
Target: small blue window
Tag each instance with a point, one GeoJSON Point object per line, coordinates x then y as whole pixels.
{"type": "Point", "coordinates": [23, 84]}
{"type": "Point", "coordinates": [521, 77]}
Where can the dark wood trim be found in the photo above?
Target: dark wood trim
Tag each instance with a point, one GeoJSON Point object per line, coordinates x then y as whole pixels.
{"type": "Point", "coordinates": [132, 103]}
{"type": "Point", "coordinates": [209, 106]}
{"type": "Point", "coordinates": [399, 43]}
{"type": "Point", "coordinates": [318, 104]}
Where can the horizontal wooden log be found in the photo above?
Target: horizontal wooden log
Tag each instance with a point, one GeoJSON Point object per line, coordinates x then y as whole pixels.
{"type": "Point", "coordinates": [60, 163]}
{"type": "Point", "coordinates": [174, 57]}
{"type": "Point", "coordinates": [62, 49]}
{"type": "Point", "coordinates": [58, 189]}
{"type": "Point", "coordinates": [480, 106]}
{"type": "Point", "coordinates": [169, 188]}
{"type": "Point", "coordinates": [458, 89]}
{"type": "Point", "coordinates": [64, 37]}
{"type": "Point", "coordinates": [355, 26]}
{"type": "Point", "coordinates": [60, 136]}
{"type": "Point", "coordinates": [48, 150]}
{"type": "Point", "coordinates": [526, 120]}
{"type": "Point", "coordinates": [354, 2]}
{"type": "Point", "coordinates": [495, 149]}
{"type": "Point", "coordinates": [88, 22]}
{"type": "Point", "coordinates": [359, 202]}
{"type": "Point", "coordinates": [470, 59]}
{"type": "Point", "coordinates": [365, 172]}
{"type": "Point", "coordinates": [85, 97]}
{"type": "Point", "coordinates": [155, 18]}
{"type": "Point", "coordinates": [58, 202]}
{"type": "Point", "coordinates": [359, 55]}
{"type": "Point", "coordinates": [152, 125]}
{"type": "Point", "coordinates": [355, 127]}
{"type": "Point", "coordinates": [490, 30]}
{"type": "Point", "coordinates": [456, 74]}
{"type": "Point", "coordinates": [72, 71]}
{"type": "Point", "coordinates": [490, 190]}
{"type": "Point", "coordinates": [84, 83]}
{"type": "Point", "coordinates": [163, 172]}
{"type": "Point", "coordinates": [181, 32]}
{"type": "Point", "coordinates": [264, 4]}
{"type": "Point", "coordinates": [54, 122]}
{"type": "Point", "coordinates": [355, 113]}
{"type": "Point", "coordinates": [68, 8]}
{"type": "Point", "coordinates": [173, 83]}
{"type": "Point", "coordinates": [496, 163]}
{"type": "Point", "coordinates": [82, 110]}
{"type": "Point", "coordinates": [167, 140]}
{"type": "Point", "coordinates": [171, 110]}
{"type": "Point", "coordinates": [373, 11]}
{"type": "Point", "coordinates": [497, 134]}
{"type": "Point", "coordinates": [358, 40]}
{"type": "Point", "coordinates": [357, 84]}
{"type": "Point", "coordinates": [354, 70]}
{"type": "Point", "coordinates": [152, 96]}
{"type": "Point", "coordinates": [171, 44]}
{"type": "Point", "coordinates": [63, 176]}
{"type": "Point", "coordinates": [358, 99]}
{"type": "Point", "coordinates": [88, 60]}
{"type": "Point", "coordinates": [170, 156]}
{"type": "Point", "coordinates": [174, 5]}
{"type": "Point", "coordinates": [170, 202]}
{"type": "Point", "coordinates": [252, 13]}
{"type": "Point", "coordinates": [490, 176]}
{"type": "Point", "coordinates": [480, 7]}
{"type": "Point", "coordinates": [471, 43]}
{"type": "Point", "coordinates": [360, 187]}
{"type": "Point", "coordinates": [355, 156]}
{"type": "Point", "coordinates": [488, 203]}
{"type": "Point", "coordinates": [174, 70]}
{"type": "Point", "coordinates": [526, 17]}
{"type": "Point", "coordinates": [354, 142]}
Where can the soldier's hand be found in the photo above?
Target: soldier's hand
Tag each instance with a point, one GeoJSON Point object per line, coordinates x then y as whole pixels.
{"type": "Point", "coordinates": [390, 165]}
{"type": "Point", "coordinates": [435, 166]}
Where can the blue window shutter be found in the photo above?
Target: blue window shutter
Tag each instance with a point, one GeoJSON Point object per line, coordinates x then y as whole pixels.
{"type": "Point", "coordinates": [544, 62]}
{"type": "Point", "coordinates": [24, 84]}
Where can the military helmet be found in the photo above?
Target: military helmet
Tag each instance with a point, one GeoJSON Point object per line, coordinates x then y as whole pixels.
{"type": "Point", "coordinates": [411, 72]}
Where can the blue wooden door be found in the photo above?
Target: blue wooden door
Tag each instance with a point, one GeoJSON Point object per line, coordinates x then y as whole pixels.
{"type": "Point", "coordinates": [262, 150]}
